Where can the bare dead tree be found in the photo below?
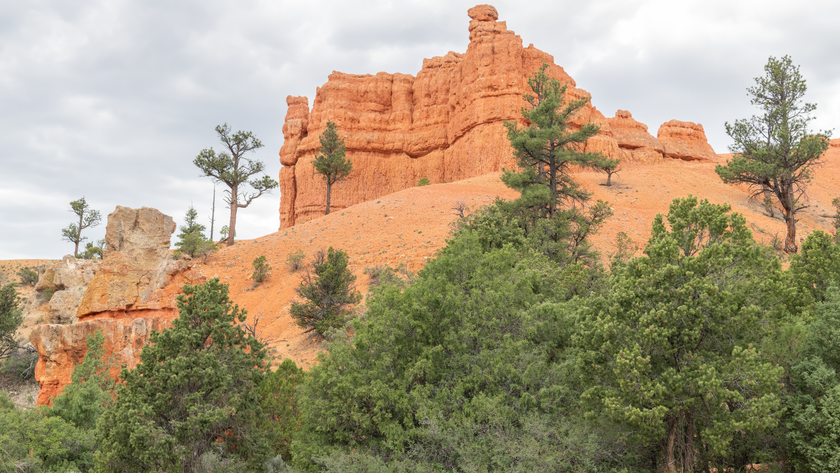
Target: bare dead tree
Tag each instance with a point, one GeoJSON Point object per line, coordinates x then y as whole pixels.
{"type": "Point", "coordinates": [461, 208]}
{"type": "Point", "coordinates": [254, 330]}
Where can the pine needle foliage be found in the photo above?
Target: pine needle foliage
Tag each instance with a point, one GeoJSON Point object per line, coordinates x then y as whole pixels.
{"type": "Point", "coordinates": [775, 152]}
{"type": "Point", "coordinates": [194, 392]}
{"type": "Point", "coordinates": [672, 349]}
{"type": "Point", "coordinates": [330, 163]}
{"type": "Point", "coordinates": [327, 291]}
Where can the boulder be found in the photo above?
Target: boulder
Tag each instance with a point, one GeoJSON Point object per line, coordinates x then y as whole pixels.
{"type": "Point", "coordinates": [685, 141]}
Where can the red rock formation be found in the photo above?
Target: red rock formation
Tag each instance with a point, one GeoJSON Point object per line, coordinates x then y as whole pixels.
{"type": "Point", "coordinates": [445, 123]}
{"type": "Point", "coordinates": [133, 292]}
{"type": "Point", "coordinates": [633, 136]}
{"type": "Point", "coordinates": [686, 141]}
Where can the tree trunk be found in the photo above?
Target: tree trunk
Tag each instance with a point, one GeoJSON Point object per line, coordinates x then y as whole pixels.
{"type": "Point", "coordinates": [213, 212]}
{"type": "Point", "coordinates": [609, 179]}
{"type": "Point", "coordinates": [688, 456]}
{"type": "Point", "coordinates": [234, 191]}
{"type": "Point", "coordinates": [552, 172]}
{"type": "Point", "coordinates": [670, 462]}
{"type": "Point", "coordinates": [79, 234]}
{"type": "Point", "coordinates": [790, 240]}
{"type": "Point", "coordinates": [329, 188]}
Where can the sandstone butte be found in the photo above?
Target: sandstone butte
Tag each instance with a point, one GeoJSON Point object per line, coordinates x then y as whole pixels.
{"type": "Point", "coordinates": [445, 123]}
{"type": "Point", "coordinates": [128, 295]}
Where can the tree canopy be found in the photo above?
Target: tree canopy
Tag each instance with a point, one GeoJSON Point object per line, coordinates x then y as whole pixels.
{"type": "Point", "coordinates": [234, 169]}
{"type": "Point", "coordinates": [673, 347]}
{"type": "Point", "coordinates": [776, 151]}
{"type": "Point", "coordinates": [330, 162]}
{"type": "Point", "coordinates": [87, 218]}
{"type": "Point", "coordinates": [194, 392]}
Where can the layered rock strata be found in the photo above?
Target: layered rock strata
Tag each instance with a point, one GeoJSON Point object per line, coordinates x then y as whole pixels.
{"type": "Point", "coordinates": [445, 123]}
{"type": "Point", "coordinates": [132, 294]}
{"type": "Point", "coordinates": [686, 141]}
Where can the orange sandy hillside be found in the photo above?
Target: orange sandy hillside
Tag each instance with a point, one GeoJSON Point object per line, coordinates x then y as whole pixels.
{"type": "Point", "coordinates": [411, 225]}
{"type": "Point", "coordinates": [405, 227]}
{"type": "Point", "coordinates": [10, 267]}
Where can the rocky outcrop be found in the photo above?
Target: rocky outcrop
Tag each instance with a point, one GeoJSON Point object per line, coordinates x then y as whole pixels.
{"type": "Point", "coordinates": [59, 291]}
{"type": "Point", "coordinates": [133, 293]}
{"type": "Point", "coordinates": [633, 137]}
{"type": "Point", "coordinates": [445, 123]}
{"type": "Point", "coordinates": [686, 141]}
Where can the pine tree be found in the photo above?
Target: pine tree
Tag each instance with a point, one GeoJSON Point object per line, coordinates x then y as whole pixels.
{"type": "Point", "coordinates": [90, 391]}
{"type": "Point", "coordinates": [548, 149]}
{"type": "Point", "coordinates": [330, 163]}
{"type": "Point", "coordinates": [327, 294]}
{"type": "Point", "coordinates": [10, 320]}
{"type": "Point", "coordinates": [233, 169]}
{"type": "Point", "coordinates": [775, 152]}
{"type": "Point", "coordinates": [87, 218]}
{"type": "Point", "coordinates": [191, 239]}
{"type": "Point", "coordinates": [814, 406]}
{"type": "Point", "coordinates": [194, 392]}
{"type": "Point", "coordinates": [672, 349]}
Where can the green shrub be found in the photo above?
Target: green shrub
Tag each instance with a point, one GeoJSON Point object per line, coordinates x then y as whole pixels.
{"type": "Point", "coordinates": [327, 294]}
{"type": "Point", "coordinates": [261, 269]}
{"type": "Point", "coordinates": [28, 276]}
{"type": "Point", "coordinates": [423, 182]}
{"type": "Point", "coordinates": [295, 260]}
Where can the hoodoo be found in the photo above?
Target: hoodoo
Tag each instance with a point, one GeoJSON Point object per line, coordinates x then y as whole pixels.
{"type": "Point", "coordinates": [445, 123]}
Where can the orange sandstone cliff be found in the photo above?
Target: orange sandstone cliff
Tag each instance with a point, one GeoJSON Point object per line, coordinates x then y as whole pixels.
{"type": "Point", "coordinates": [132, 293]}
{"type": "Point", "coordinates": [445, 123]}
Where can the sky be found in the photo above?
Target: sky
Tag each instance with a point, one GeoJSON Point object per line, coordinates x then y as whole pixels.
{"type": "Point", "coordinates": [112, 100]}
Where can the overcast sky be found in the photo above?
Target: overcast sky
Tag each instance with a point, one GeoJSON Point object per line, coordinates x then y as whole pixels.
{"type": "Point", "coordinates": [112, 99]}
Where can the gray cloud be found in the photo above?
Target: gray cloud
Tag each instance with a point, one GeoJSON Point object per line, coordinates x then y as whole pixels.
{"type": "Point", "coordinates": [113, 100]}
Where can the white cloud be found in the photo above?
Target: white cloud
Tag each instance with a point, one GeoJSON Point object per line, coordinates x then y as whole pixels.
{"type": "Point", "coordinates": [113, 99]}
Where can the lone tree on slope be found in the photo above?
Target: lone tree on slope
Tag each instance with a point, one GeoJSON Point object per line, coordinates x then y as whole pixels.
{"type": "Point", "coordinates": [87, 218]}
{"type": "Point", "coordinates": [547, 149]}
{"type": "Point", "coordinates": [775, 151]}
{"type": "Point", "coordinates": [234, 169]}
{"type": "Point", "coordinates": [330, 164]}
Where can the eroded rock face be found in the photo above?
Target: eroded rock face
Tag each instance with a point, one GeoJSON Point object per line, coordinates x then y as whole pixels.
{"type": "Point", "coordinates": [132, 293]}
{"type": "Point", "coordinates": [633, 136]}
{"type": "Point", "coordinates": [67, 281]}
{"type": "Point", "coordinates": [445, 123]}
{"type": "Point", "coordinates": [686, 141]}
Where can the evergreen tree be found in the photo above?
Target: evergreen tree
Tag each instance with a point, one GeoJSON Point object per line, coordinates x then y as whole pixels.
{"type": "Point", "coordinates": [330, 163]}
{"type": "Point", "coordinates": [465, 369]}
{"type": "Point", "coordinates": [191, 239]}
{"type": "Point", "coordinates": [814, 406]}
{"type": "Point", "coordinates": [193, 395]}
{"type": "Point", "coordinates": [90, 391]}
{"type": "Point", "coordinates": [817, 266]}
{"type": "Point", "coordinates": [672, 348]}
{"type": "Point", "coordinates": [327, 294]}
{"type": "Point", "coordinates": [548, 149]}
{"type": "Point", "coordinates": [281, 417]}
{"type": "Point", "coordinates": [87, 218]}
{"type": "Point", "coordinates": [234, 169]}
{"type": "Point", "coordinates": [775, 152]}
